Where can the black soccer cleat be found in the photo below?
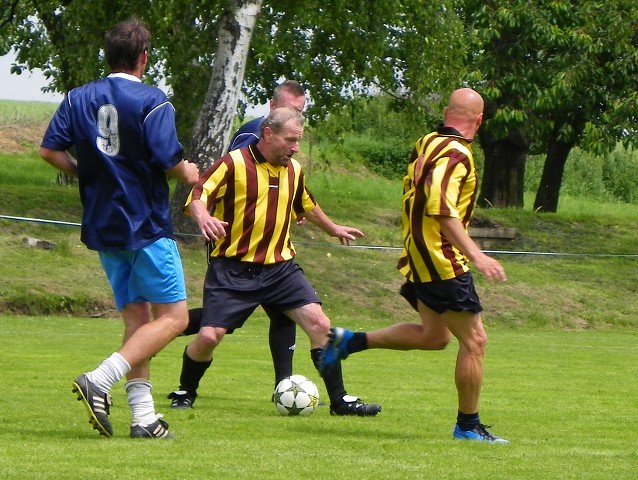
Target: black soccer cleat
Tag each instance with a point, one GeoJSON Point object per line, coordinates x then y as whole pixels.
{"type": "Point", "coordinates": [157, 429]}
{"type": "Point", "coordinates": [98, 404]}
{"type": "Point", "coordinates": [354, 406]}
{"type": "Point", "coordinates": [181, 400]}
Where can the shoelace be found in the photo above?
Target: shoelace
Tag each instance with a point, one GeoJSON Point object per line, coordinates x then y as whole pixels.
{"type": "Point", "coordinates": [482, 430]}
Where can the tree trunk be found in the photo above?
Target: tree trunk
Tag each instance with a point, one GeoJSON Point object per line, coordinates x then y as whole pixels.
{"type": "Point", "coordinates": [504, 170]}
{"type": "Point", "coordinates": [552, 176]}
{"type": "Point", "coordinates": [211, 133]}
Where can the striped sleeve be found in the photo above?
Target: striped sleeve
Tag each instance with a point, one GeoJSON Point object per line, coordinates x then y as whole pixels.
{"type": "Point", "coordinates": [211, 183]}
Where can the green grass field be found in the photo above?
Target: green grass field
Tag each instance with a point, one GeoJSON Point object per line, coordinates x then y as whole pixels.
{"type": "Point", "coordinates": [566, 401]}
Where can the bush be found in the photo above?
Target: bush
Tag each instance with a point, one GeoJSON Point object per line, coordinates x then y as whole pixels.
{"type": "Point", "coordinates": [620, 174]}
{"type": "Point", "coordinates": [386, 158]}
{"type": "Point", "coordinates": [602, 178]}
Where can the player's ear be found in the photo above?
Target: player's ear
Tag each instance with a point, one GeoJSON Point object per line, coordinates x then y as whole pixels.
{"type": "Point", "coordinates": [143, 60]}
{"type": "Point", "coordinates": [266, 133]}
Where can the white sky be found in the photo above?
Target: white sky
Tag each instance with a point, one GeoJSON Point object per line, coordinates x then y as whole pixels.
{"type": "Point", "coordinates": [27, 87]}
{"type": "Point", "coordinates": [23, 87]}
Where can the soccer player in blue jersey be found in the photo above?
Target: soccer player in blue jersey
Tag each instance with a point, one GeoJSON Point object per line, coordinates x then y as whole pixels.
{"type": "Point", "coordinates": [126, 146]}
{"type": "Point", "coordinates": [287, 94]}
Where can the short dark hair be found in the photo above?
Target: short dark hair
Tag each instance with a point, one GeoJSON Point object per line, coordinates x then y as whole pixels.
{"type": "Point", "coordinates": [290, 86]}
{"type": "Point", "coordinates": [124, 43]}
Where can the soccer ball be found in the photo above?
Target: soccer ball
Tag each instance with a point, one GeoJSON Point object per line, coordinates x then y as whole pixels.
{"type": "Point", "coordinates": [296, 395]}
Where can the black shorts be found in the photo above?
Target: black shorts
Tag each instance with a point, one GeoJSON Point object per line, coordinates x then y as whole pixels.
{"type": "Point", "coordinates": [234, 289]}
{"type": "Point", "coordinates": [457, 294]}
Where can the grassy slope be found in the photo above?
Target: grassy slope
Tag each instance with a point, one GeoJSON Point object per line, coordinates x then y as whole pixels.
{"type": "Point", "coordinates": [549, 291]}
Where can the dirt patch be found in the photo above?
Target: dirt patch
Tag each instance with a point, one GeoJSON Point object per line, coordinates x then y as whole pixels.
{"type": "Point", "coordinates": [17, 140]}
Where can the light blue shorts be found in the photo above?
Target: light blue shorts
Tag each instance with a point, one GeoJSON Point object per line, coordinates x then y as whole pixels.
{"type": "Point", "coordinates": [152, 274]}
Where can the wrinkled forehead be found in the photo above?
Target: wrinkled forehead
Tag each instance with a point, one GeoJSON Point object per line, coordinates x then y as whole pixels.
{"type": "Point", "coordinates": [287, 99]}
{"type": "Point", "coordinates": [291, 129]}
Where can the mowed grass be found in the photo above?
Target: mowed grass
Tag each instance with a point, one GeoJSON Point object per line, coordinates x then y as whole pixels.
{"type": "Point", "coordinates": [566, 401]}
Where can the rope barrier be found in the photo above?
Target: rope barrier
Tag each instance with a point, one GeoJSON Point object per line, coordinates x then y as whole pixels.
{"type": "Point", "coordinates": [363, 247]}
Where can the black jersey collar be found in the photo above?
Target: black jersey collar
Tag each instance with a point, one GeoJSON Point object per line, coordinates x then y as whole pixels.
{"type": "Point", "coordinates": [257, 155]}
{"type": "Point", "coordinates": [450, 132]}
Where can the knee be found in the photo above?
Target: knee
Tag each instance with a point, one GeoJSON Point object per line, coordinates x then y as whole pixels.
{"type": "Point", "coordinates": [434, 339]}
{"type": "Point", "coordinates": [439, 343]}
{"type": "Point", "coordinates": [180, 323]}
{"type": "Point", "coordinates": [478, 343]}
{"type": "Point", "coordinates": [322, 323]}
{"type": "Point", "coordinates": [318, 320]}
{"type": "Point", "coordinates": [209, 337]}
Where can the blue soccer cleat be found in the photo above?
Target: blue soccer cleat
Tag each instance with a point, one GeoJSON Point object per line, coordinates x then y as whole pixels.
{"type": "Point", "coordinates": [478, 434]}
{"type": "Point", "coordinates": [335, 350]}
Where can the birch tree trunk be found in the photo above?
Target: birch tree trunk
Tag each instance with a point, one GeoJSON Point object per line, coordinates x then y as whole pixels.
{"type": "Point", "coordinates": [211, 133]}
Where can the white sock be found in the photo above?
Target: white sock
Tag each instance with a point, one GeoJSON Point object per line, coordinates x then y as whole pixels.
{"type": "Point", "coordinates": [110, 371]}
{"type": "Point", "coordinates": [140, 401]}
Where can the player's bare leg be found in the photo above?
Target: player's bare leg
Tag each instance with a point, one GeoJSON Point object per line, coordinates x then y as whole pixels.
{"type": "Point", "coordinates": [468, 329]}
{"type": "Point", "coordinates": [135, 316]}
{"type": "Point", "coordinates": [431, 334]}
{"type": "Point", "coordinates": [170, 321]}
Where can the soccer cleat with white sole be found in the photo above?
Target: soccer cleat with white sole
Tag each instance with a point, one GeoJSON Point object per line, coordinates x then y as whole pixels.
{"type": "Point", "coordinates": [352, 405]}
{"type": "Point", "coordinates": [157, 429]}
{"type": "Point", "coordinates": [478, 434]}
{"type": "Point", "coordinates": [181, 400]}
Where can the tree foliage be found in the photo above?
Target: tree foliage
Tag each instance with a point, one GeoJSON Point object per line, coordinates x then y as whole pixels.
{"type": "Point", "coordinates": [339, 49]}
{"type": "Point", "coordinates": [342, 49]}
{"type": "Point", "coordinates": [555, 74]}
{"type": "Point", "coordinates": [63, 39]}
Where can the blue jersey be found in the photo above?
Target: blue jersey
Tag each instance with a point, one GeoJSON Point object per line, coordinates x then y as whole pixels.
{"type": "Point", "coordinates": [247, 135]}
{"type": "Point", "coordinates": [125, 138]}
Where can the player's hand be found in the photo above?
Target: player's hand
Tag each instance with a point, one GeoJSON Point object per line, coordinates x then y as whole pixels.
{"type": "Point", "coordinates": [490, 268]}
{"type": "Point", "coordinates": [347, 234]}
{"type": "Point", "coordinates": [191, 173]}
{"type": "Point", "coordinates": [212, 228]}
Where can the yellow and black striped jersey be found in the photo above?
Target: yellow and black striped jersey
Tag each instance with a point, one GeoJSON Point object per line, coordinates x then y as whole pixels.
{"type": "Point", "coordinates": [259, 201]}
{"type": "Point", "coordinates": [441, 181]}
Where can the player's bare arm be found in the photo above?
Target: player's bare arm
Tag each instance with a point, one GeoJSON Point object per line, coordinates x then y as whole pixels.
{"type": "Point", "coordinates": [454, 231]}
{"type": "Point", "coordinates": [343, 233]}
{"type": "Point", "coordinates": [210, 227]}
{"type": "Point", "coordinates": [61, 160]}
{"type": "Point", "coordinates": [185, 172]}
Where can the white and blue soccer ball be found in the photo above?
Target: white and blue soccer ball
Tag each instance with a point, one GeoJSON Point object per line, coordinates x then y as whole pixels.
{"type": "Point", "coordinates": [296, 395]}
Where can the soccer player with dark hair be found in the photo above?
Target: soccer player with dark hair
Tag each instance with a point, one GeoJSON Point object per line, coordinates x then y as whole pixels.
{"type": "Point", "coordinates": [244, 205]}
{"type": "Point", "coordinates": [439, 191]}
{"type": "Point", "coordinates": [126, 145]}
